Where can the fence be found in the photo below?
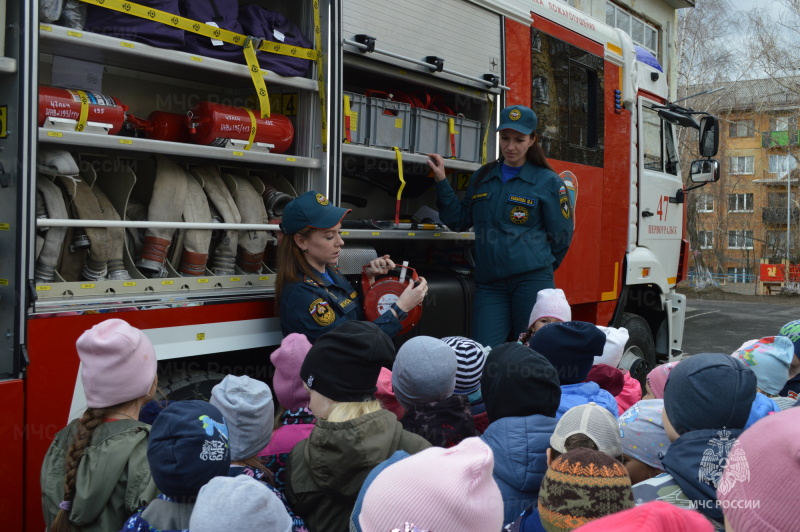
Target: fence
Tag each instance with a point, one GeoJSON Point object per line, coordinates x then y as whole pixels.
{"type": "Point", "coordinates": [740, 283]}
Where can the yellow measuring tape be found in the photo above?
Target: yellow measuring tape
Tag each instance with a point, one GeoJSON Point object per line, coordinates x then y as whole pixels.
{"type": "Point", "coordinates": [321, 76]}
{"type": "Point", "coordinates": [253, 127]}
{"type": "Point", "coordinates": [83, 117]}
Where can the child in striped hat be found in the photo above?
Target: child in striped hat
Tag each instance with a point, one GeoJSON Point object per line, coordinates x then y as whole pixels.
{"type": "Point", "coordinates": [471, 357]}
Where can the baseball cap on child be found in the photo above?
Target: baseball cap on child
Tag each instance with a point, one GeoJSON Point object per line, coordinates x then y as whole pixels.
{"type": "Point", "coordinates": [769, 358]}
{"type": "Point", "coordinates": [595, 422]}
{"type": "Point", "coordinates": [118, 363]}
{"type": "Point", "coordinates": [188, 446]}
{"type": "Point", "coordinates": [287, 359]}
{"type": "Point", "coordinates": [311, 209]}
{"type": "Point", "coordinates": [471, 357]}
{"type": "Point", "coordinates": [550, 303]}
{"type": "Point", "coordinates": [519, 118]}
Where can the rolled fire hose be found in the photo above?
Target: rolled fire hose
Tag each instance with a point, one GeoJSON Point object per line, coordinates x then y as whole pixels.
{"type": "Point", "coordinates": [116, 265]}
{"type": "Point", "coordinates": [195, 241]}
{"type": "Point", "coordinates": [47, 259]}
{"type": "Point", "coordinates": [220, 197]}
{"type": "Point", "coordinates": [166, 205]}
{"type": "Point", "coordinates": [251, 243]}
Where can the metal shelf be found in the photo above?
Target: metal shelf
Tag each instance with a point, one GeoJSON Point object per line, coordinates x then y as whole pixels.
{"type": "Point", "coordinates": [402, 234]}
{"type": "Point", "coordinates": [144, 147]}
{"type": "Point", "coordinates": [413, 158]}
{"type": "Point", "coordinates": [110, 51]}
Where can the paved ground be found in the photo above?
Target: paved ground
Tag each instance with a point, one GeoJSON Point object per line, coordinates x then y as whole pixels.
{"type": "Point", "coordinates": [722, 326]}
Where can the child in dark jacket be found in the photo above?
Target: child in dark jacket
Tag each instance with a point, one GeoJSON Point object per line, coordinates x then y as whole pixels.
{"type": "Point", "coordinates": [470, 358]}
{"type": "Point", "coordinates": [188, 447]}
{"type": "Point", "coordinates": [423, 380]}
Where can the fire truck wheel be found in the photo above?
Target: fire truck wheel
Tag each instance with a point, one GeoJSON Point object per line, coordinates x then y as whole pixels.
{"type": "Point", "coordinates": [640, 351]}
{"type": "Point", "coordinates": [189, 384]}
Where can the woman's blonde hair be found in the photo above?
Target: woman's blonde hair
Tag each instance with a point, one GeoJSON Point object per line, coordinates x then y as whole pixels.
{"type": "Point", "coordinates": [347, 411]}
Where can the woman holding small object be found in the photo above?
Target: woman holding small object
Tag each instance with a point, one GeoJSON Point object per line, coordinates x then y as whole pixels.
{"type": "Point", "coordinates": [313, 296]}
{"type": "Point", "coordinates": [522, 218]}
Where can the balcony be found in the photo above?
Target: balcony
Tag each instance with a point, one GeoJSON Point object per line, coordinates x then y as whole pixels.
{"type": "Point", "coordinates": [778, 139]}
{"type": "Point", "coordinates": [777, 215]}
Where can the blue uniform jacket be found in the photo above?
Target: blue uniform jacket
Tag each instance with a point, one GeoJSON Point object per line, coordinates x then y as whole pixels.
{"type": "Point", "coordinates": [312, 308]}
{"type": "Point", "coordinates": [522, 225]}
{"type": "Point", "coordinates": [519, 445]}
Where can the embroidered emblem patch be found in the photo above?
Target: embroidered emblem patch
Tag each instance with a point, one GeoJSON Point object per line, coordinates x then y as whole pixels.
{"type": "Point", "coordinates": [519, 215]}
{"type": "Point", "coordinates": [566, 210]}
{"type": "Point", "coordinates": [482, 195]}
{"type": "Point", "coordinates": [322, 200]}
{"type": "Point", "coordinates": [322, 312]}
{"type": "Point", "coordinates": [514, 114]}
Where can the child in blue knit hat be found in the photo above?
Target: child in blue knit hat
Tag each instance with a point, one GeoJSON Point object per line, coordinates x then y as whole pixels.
{"type": "Point", "coordinates": [188, 446]}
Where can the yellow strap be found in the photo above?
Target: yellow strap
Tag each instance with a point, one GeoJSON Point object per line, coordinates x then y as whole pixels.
{"type": "Point", "coordinates": [485, 143]}
{"type": "Point", "coordinates": [199, 28]}
{"type": "Point", "coordinates": [347, 126]}
{"type": "Point", "coordinates": [321, 75]}
{"type": "Point", "coordinates": [399, 156]}
{"type": "Point", "coordinates": [253, 127]}
{"type": "Point", "coordinates": [84, 115]}
{"type": "Point", "coordinates": [258, 77]}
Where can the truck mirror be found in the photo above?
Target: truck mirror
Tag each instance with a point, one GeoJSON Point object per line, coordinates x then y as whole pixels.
{"type": "Point", "coordinates": [704, 171]}
{"type": "Point", "coordinates": [709, 137]}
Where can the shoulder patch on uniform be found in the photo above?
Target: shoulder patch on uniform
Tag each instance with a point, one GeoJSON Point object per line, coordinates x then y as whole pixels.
{"type": "Point", "coordinates": [353, 295]}
{"type": "Point", "coordinates": [519, 215]}
{"type": "Point", "coordinates": [522, 200]}
{"type": "Point", "coordinates": [566, 210]}
{"type": "Point", "coordinates": [322, 312]}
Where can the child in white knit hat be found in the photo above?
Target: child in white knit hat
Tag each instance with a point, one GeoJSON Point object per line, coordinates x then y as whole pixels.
{"type": "Point", "coordinates": [551, 307]}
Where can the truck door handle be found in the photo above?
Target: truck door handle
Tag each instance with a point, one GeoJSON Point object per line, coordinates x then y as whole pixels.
{"type": "Point", "coordinates": [646, 213]}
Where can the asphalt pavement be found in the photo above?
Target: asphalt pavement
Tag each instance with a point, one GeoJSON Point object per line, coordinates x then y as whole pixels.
{"type": "Point", "coordinates": [723, 326]}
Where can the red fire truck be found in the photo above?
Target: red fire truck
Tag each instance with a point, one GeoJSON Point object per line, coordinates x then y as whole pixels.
{"type": "Point", "coordinates": [93, 121]}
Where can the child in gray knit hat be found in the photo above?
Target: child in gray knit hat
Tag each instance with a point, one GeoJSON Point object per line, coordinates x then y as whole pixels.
{"type": "Point", "coordinates": [249, 411]}
{"type": "Point", "coordinates": [240, 504]}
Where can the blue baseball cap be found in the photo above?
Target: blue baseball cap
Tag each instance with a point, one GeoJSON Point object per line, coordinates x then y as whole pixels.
{"type": "Point", "coordinates": [519, 118]}
{"type": "Point", "coordinates": [311, 209]}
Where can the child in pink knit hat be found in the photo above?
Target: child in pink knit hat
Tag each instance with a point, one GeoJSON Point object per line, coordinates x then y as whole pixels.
{"type": "Point", "coordinates": [551, 307]}
{"type": "Point", "coordinates": [293, 419]}
{"type": "Point", "coordinates": [118, 373]}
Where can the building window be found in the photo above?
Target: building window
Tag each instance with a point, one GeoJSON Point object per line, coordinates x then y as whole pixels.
{"type": "Point", "coordinates": [705, 203]}
{"type": "Point", "coordinates": [739, 275]}
{"type": "Point", "coordinates": [780, 164]}
{"type": "Point", "coordinates": [640, 31]}
{"type": "Point", "coordinates": [776, 243]}
{"type": "Point", "coordinates": [740, 203]}
{"type": "Point", "coordinates": [705, 239]}
{"type": "Point", "coordinates": [780, 123]}
{"type": "Point", "coordinates": [740, 239]}
{"type": "Point", "coordinates": [741, 128]}
{"type": "Point", "coordinates": [741, 165]}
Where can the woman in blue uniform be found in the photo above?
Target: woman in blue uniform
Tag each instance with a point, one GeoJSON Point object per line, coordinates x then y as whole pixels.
{"type": "Point", "coordinates": [522, 216]}
{"type": "Point", "coordinates": [313, 297]}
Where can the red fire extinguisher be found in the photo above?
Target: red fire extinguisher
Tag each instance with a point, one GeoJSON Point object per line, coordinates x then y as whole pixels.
{"type": "Point", "coordinates": [66, 103]}
{"type": "Point", "coordinates": [385, 291]}
{"type": "Point", "coordinates": [213, 124]}
{"type": "Point", "coordinates": [161, 125]}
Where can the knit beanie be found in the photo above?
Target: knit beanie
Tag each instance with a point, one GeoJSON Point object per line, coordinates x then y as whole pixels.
{"type": "Point", "coordinates": [709, 391]}
{"type": "Point", "coordinates": [616, 340]}
{"type": "Point", "coordinates": [248, 408]}
{"type": "Point", "coordinates": [386, 396]}
{"type": "Point", "coordinates": [610, 379]}
{"type": "Point", "coordinates": [470, 356]}
{"type": "Point", "coordinates": [188, 446]}
{"type": "Point", "coordinates": [287, 359]}
{"type": "Point", "coordinates": [344, 363]}
{"type": "Point", "coordinates": [654, 516]}
{"type": "Point", "coordinates": [570, 347]}
{"type": "Point", "coordinates": [642, 430]}
{"type": "Point", "coordinates": [240, 504]}
{"type": "Point", "coordinates": [519, 382]}
{"type": "Point", "coordinates": [755, 489]}
{"type": "Point", "coordinates": [550, 303]}
{"type": "Point", "coordinates": [595, 422]}
{"type": "Point", "coordinates": [769, 358]}
{"type": "Point", "coordinates": [581, 486]}
{"type": "Point", "coordinates": [658, 376]}
{"type": "Point", "coordinates": [442, 490]}
{"type": "Point", "coordinates": [792, 331]}
{"type": "Point", "coordinates": [424, 371]}
{"type": "Point", "coordinates": [118, 363]}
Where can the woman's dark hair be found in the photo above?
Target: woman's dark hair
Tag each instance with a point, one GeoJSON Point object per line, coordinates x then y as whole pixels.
{"type": "Point", "coordinates": [534, 155]}
{"type": "Point", "coordinates": [291, 262]}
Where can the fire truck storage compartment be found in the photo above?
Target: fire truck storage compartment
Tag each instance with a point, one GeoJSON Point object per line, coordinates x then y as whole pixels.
{"type": "Point", "coordinates": [434, 133]}
{"type": "Point", "coordinates": [356, 118]}
{"type": "Point", "coordinates": [448, 305]}
{"type": "Point", "coordinates": [389, 124]}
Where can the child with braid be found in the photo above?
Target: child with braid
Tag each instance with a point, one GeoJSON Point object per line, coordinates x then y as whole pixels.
{"type": "Point", "coordinates": [95, 474]}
